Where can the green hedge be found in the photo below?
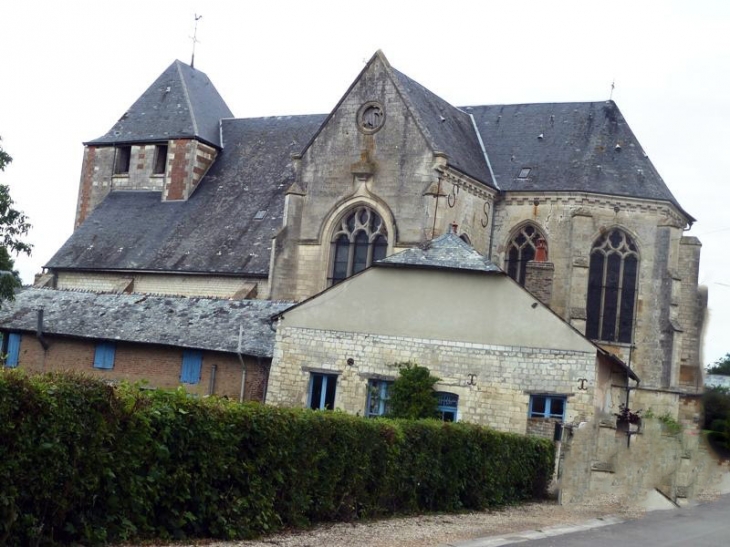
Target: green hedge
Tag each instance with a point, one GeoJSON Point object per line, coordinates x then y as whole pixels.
{"type": "Point", "coordinates": [81, 461]}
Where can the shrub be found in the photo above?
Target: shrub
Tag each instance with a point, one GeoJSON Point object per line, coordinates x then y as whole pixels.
{"type": "Point", "coordinates": [412, 395]}
{"type": "Point", "coordinates": [85, 462]}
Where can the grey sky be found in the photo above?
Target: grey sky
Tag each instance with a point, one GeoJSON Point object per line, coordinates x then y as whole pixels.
{"type": "Point", "coordinates": [71, 69]}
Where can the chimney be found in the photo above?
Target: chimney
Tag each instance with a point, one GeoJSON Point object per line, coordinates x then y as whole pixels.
{"type": "Point", "coordinates": [541, 251]}
{"type": "Point", "coordinates": [454, 226]}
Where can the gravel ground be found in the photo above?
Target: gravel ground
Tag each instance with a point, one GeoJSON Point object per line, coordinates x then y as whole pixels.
{"type": "Point", "coordinates": [432, 530]}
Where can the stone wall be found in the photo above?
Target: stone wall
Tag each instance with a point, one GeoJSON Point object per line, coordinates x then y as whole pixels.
{"type": "Point", "coordinates": [503, 377]}
{"type": "Point", "coordinates": [158, 366]}
{"type": "Point", "coordinates": [668, 310]}
{"type": "Point", "coordinates": [168, 284]}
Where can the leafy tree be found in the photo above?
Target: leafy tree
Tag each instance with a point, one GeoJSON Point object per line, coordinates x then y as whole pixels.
{"type": "Point", "coordinates": [14, 226]}
{"type": "Point", "coordinates": [721, 366]}
{"type": "Point", "coordinates": [412, 395]}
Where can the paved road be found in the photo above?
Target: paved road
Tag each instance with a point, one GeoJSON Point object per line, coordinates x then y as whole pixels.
{"type": "Point", "coordinates": [706, 525]}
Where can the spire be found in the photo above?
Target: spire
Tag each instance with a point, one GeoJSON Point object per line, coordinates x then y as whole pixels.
{"type": "Point", "coordinates": [194, 38]}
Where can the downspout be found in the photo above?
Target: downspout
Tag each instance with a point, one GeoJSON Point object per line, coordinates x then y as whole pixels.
{"type": "Point", "coordinates": [39, 330]}
{"type": "Point", "coordinates": [243, 364]}
{"type": "Point", "coordinates": [211, 384]}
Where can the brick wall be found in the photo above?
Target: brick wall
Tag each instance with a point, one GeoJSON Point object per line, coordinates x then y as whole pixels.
{"type": "Point", "coordinates": [188, 162]}
{"type": "Point", "coordinates": [503, 376]}
{"type": "Point", "coordinates": [159, 366]}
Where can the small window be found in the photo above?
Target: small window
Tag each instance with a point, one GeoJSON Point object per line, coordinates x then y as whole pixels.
{"type": "Point", "coordinates": [122, 158]}
{"type": "Point", "coordinates": [524, 173]}
{"type": "Point", "coordinates": [192, 365]}
{"type": "Point", "coordinates": [160, 159]}
{"type": "Point", "coordinates": [378, 403]}
{"type": "Point", "coordinates": [260, 215]}
{"type": "Point", "coordinates": [448, 406]}
{"type": "Point", "coordinates": [547, 406]}
{"type": "Point", "coordinates": [12, 350]}
{"type": "Point", "coordinates": [104, 355]}
{"type": "Point", "coordinates": [322, 391]}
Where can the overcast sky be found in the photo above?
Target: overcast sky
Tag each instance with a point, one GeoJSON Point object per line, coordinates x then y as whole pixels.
{"type": "Point", "coordinates": [70, 69]}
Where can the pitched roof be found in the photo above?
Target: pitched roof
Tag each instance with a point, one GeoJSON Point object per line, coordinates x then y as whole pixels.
{"type": "Point", "coordinates": [199, 323]}
{"type": "Point", "coordinates": [448, 252]}
{"type": "Point", "coordinates": [215, 230]}
{"type": "Point", "coordinates": [181, 103]}
{"type": "Point", "coordinates": [448, 129]}
{"type": "Point", "coordinates": [568, 147]}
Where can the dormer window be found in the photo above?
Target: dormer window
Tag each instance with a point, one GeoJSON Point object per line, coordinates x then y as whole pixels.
{"type": "Point", "coordinates": [160, 159]}
{"type": "Point", "coordinates": [121, 161]}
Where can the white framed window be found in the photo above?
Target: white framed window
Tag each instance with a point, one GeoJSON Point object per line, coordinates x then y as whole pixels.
{"type": "Point", "coordinates": [378, 403]}
{"type": "Point", "coordinates": [322, 390]}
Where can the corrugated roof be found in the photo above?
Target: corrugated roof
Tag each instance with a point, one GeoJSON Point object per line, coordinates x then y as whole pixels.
{"type": "Point", "coordinates": [181, 103]}
{"type": "Point", "coordinates": [199, 323]}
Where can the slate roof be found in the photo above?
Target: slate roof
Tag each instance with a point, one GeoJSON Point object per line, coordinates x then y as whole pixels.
{"type": "Point", "coordinates": [215, 230]}
{"type": "Point", "coordinates": [449, 129]}
{"type": "Point", "coordinates": [198, 323]}
{"type": "Point", "coordinates": [447, 251]}
{"type": "Point", "coordinates": [181, 103]}
{"type": "Point", "coordinates": [577, 151]}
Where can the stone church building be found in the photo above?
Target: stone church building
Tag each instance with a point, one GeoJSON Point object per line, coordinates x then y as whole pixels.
{"type": "Point", "coordinates": [181, 199]}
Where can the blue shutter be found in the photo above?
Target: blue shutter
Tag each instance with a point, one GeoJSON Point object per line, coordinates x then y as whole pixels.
{"type": "Point", "coordinates": [104, 355]}
{"type": "Point", "coordinates": [11, 359]}
{"type": "Point", "coordinates": [192, 364]}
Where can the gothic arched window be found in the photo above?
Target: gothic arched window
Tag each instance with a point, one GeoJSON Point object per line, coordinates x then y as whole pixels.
{"type": "Point", "coordinates": [359, 240]}
{"type": "Point", "coordinates": [520, 250]}
{"type": "Point", "coordinates": [612, 282]}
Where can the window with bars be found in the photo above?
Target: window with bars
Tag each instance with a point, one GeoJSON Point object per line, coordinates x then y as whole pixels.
{"type": "Point", "coordinates": [612, 283]}
{"type": "Point", "coordinates": [448, 406]}
{"type": "Point", "coordinates": [520, 250]}
{"type": "Point", "coordinates": [360, 239]}
{"type": "Point", "coordinates": [378, 403]}
{"type": "Point", "coordinates": [547, 406]}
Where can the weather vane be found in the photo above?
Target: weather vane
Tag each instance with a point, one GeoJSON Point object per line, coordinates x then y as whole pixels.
{"type": "Point", "coordinates": [194, 38]}
{"type": "Point", "coordinates": [613, 85]}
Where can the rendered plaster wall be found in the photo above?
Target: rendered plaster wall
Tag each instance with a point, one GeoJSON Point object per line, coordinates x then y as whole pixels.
{"type": "Point", "coordinates": [158, 366]}
{"type": "Point", "coordinates": [503, 376]}
{"type": "Point", "coordinates": [668, 310]}
{"type": "Point", "coordinates": [167, 284]}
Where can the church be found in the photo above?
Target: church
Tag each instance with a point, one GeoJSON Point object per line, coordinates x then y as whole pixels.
{"type": "Point", "coordinates": [181, 200]}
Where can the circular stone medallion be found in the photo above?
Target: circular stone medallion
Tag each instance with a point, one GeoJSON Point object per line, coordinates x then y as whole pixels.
{"type": "Point", "coordinates": [370, 117]}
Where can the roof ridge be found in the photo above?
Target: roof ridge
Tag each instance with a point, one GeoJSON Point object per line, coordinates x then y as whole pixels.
{"type": "Point", "coordinates": [187, 96]}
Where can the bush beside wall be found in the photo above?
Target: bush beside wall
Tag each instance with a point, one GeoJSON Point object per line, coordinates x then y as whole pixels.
{"type": "Point", "coordinates": [82, 461]}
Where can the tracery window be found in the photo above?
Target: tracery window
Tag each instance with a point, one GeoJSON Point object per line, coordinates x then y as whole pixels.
{"type": "Point", "coordinates": [360, 240]}
{"type": "Point", "coordinates": [612, 282]}
{"type": "Point", "coordinates": [520, 250]}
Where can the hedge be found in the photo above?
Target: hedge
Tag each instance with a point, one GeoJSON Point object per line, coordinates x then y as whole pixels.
{"type": "Point", "coordinates": [81, 461]}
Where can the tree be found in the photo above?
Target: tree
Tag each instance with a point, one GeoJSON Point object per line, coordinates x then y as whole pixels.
{"type": "Point", "coordinates": [721, 366]}
{"type": "Point", "coordinates": [14, 226]}
{"type": "Point", "coordinates": [412, 395]}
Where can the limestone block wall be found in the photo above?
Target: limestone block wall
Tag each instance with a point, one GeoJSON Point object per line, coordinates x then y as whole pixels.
{"type": "Point", "coordinates": [167, 284]}
{"type": "Point", "coordinates": [159, 366]}
{"type": "Point", "coordinates": [571, 223]}
{"type": "Point", "coordinates": [503, 376]}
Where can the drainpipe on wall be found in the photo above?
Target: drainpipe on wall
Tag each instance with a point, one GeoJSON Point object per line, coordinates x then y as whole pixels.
{"type": "Point", "coordinates": [211, 384]}
{"type": "Point", "coordinates": [39, 330]}
{"type": "Point", "coordinates": [243, 364]}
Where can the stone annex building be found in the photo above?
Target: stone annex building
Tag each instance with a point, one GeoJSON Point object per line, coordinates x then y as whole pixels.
{"type": "Point", "coordinates": [182, 199]}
